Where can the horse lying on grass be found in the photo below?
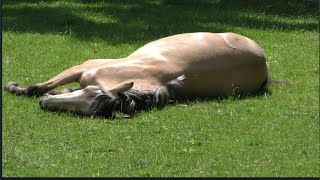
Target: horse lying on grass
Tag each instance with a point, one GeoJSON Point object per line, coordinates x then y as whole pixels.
{"type": "Point", "coordinates": [191, 65]}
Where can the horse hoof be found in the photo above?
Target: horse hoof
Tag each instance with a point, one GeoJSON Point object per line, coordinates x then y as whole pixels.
{"type": "Point", "coordinates": [53, 92]}
{"type": "Point", "coordinates": [10, 85]}
{"type": "Point", "coordinates": [66, 90]}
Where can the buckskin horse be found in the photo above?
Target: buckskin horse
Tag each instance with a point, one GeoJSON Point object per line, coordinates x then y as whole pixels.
{"type": "Point", "coordinates": [198, 64]}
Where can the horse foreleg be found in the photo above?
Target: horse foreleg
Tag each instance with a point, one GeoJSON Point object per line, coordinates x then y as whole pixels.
{"type": "Point", "coordinates": [68, 76]}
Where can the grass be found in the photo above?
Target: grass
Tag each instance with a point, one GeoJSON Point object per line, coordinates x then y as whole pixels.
{"type": "Point", "coordinates": [275, 134]}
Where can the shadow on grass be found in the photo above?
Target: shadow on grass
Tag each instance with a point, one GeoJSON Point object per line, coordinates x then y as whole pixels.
{"type": "Point", "coordinates": [145, 20]}
{"type": "Point", "coordinates": [174, 102]}
{"type": "Point", "coordinates": [189, 100]}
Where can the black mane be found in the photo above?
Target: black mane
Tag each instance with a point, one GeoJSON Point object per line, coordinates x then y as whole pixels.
{"type": "Point", "coordinates": [134, 100]}
{"type": "Point", "coordinates": [128, 103]}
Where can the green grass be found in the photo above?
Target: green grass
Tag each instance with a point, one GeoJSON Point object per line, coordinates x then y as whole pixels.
{"type": "Point", "coordinates": [275, 134]}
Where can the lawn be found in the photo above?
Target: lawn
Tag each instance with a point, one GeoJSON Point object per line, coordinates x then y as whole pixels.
{"type": "Point", "coordinates": [274, 134]}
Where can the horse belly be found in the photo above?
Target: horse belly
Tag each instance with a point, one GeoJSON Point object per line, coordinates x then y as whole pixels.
{"type": "Point", "coordinates": [240, 79]}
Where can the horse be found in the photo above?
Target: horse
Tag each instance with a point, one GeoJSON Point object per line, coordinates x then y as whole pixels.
{"type": "Point", "coordinates": [200, 64]}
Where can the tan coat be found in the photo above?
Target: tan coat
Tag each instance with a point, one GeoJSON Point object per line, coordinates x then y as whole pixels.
{"type": "Point", "coordinates": [213, 64]}
{"type": "Point", "coordinates": [192, 64]}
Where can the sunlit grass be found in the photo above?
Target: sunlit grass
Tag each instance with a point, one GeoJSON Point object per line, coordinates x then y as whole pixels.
{"type": "Point", "coordinates": [275, 134]}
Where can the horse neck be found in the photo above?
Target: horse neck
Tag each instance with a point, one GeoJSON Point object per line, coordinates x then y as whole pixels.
{"type": "Point", "coordinates": [130, 70]}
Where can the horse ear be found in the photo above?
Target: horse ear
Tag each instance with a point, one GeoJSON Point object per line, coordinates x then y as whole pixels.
{"type": "Point", "coordinates": [123, 87]}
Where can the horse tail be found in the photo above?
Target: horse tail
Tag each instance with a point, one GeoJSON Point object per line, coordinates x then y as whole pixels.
{"type": "Point", "coordinates": [271, 82]}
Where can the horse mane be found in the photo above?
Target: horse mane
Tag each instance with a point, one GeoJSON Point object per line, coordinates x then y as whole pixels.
{"type": "Point", "coordinates": [134, 100]}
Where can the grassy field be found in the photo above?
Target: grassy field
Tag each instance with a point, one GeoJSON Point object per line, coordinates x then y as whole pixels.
{"type": "Point", "coordinates": [275, 134]}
